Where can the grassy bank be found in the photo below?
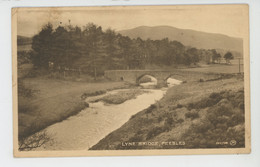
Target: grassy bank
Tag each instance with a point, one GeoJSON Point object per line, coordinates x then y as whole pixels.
{"type": "Point", "coordinates": [48, 101]}
{"type": "Point", "coordinates": [197, 113]}
{"type": "Point", "coordinates": [122, 96]}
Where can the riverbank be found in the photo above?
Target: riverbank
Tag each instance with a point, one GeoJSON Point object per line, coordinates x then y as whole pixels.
{"type": "Point", "coordinates": [121, 97]}
{"type": "Point", "coordinates": [82, 131]}
{"type": "Point", "coordinates": [190, 115]}
{"type": "Point", "coordinates": [55, 100]}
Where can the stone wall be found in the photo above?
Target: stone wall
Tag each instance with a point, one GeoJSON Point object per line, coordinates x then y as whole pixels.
{"type": "Point", "coordinates": [133, 76]}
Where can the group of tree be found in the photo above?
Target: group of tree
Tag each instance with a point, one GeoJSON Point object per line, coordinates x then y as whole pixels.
{"type": "Point", "coordinates": [95, 50]}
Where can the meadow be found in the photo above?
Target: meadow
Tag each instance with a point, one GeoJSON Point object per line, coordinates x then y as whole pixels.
{"type": "Point", "coordinates": [46, 101]}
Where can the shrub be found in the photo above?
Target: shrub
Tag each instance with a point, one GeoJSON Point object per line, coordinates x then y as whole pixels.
{"type": "Point", "coordinates": [96, 93]}
{"type": "Point", "coordinates": [159, 119]}
{"type": "Point", "coordinates": [154, 132]}
{"type": "Point", "coordinates": [225, 109]}
{"type": "Point", "coordinates": [179, 106]}
{"type": "Point", "coordinates": [224, 121]}
{"type": "Point", "coordinates": [192, 114]}
{"type": "Point", "coordinates": [180, 120]}
{"type": "Point", "coordinates": [23, 91]}
{"type": "Point", "coordinates": [213, 99]}
{"type": "Point", "coordinates": [86, 104]}
{"type": "Point", "coordinates": [150, 109]}
{"type": "Point", "coordinates": [241, 106]}
{"type": "Point", "coordinates": [136, 138]}
{"type": "Point", "coordinates": [201, 127]}
{"type": "Point", "coordinates": [236, 119]}
{"type": "Point", "coordinates": [132, 117]}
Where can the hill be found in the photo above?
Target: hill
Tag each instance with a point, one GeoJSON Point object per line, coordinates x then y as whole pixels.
{"type": "Point", "coordinates": [24, 43]}
{"type": "Point", "coordinates": [22, 40]}
{"type": "Point", "coordinates": [187, 37]}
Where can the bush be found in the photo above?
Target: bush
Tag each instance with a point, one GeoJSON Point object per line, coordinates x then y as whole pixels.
{"type": "Point", "coordinates": [23, 91]}
{"type": "Point", "coordinates": [213, 99]}
{"type": "Point", "coordinates": [132, 117]}
{"type": "Point", "coordinates": [180, 120]}
{"type": "Point", "coordinates": [154, 132]}
{"type": "Point", "coordinates": [96, 93]}
{"type": "Point", "coordinates": [23, 57]}
{"type": "Point", "coordinates": [136, 138]}
{"type": "Point", "coordinates": [241, 106]}
{"type": "Point", "coordinates": [159, 119]}
{"type": "Point", "coordinates": [192, 114]}
{"type": "Point", "coordinates": [179, 106]}
{"type": "Point", "coordinates": [150, 109]}
{"type": "Point", "coordinates": [224, 121]}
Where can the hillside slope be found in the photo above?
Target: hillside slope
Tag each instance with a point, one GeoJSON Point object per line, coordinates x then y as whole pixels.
{"type": "Point", "coordinates": [191, 115]}
{"type": "Point", "coordinates": [187, 37]}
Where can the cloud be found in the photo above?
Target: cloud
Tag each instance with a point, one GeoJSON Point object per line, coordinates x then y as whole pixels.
{"type": "Point", "coordinates": [224, 19]}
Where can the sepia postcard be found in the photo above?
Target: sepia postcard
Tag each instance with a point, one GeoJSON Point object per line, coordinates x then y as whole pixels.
{"type": "Point", "coordinates": [131, 80]}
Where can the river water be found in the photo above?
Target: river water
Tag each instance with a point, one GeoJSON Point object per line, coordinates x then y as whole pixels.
{"type": "Point", "coordinates": [85, 129]}
{"type": "Point", "coordinates": [82, 131]}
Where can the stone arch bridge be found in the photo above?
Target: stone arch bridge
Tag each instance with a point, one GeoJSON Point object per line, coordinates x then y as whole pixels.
{"type": "Point", "coordinates": [133, 76]}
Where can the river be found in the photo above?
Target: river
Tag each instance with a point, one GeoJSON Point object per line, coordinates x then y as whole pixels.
{"type": "Point", "coordinates": [82, 131]}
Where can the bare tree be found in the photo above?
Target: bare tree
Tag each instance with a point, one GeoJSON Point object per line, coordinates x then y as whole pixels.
{"type": "Point", "coordinates": [34, 141]}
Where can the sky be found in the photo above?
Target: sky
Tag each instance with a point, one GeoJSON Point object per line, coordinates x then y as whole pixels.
{"type": "Point", "coordinates": [231, 20]}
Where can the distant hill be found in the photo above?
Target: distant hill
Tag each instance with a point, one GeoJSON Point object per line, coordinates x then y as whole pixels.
{"type": "Point", "coordinates": [24, 43]}
{"type": "Point", "coordinates": [22, 40]}
{"type": "Point", "coordinates": [187, 37]}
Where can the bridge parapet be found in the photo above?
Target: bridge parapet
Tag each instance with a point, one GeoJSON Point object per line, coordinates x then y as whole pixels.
{"type": "Point", "coordinates": [133, 76]}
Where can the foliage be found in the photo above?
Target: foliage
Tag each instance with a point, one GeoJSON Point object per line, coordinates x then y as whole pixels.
{"type": "Point", "coordinates": [23, 57]}
{"type": "Point", "coordinates": [228, 56]}
{"type": "Point", "coordinates": [93, 50]}
{"type": "Point", "coordinates": [34, 141]}
{"type": "Point", "coordinates": [215, 56]}
{"type": "Point", "coordinates": [154, 132]}
{"type": "Point", "coordinates": [223, 121]}
{"type": "Point", "coordinates": [23, 91]}
{"type": "Point", "coordinates": [192, 114]}
{"type": "Point", "coordinates": [121, 97]}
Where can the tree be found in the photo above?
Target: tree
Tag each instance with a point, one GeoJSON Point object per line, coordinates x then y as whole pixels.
{"type": "Point", "coordinates": [93, 38]}
{"type": "Point", "coordinates": [125, 50]}
{"type": "Point", "coordinates": [194, 55]}
{"type": "Point", "coordinates": [215, 56]}
{"type": "Point", "coordinates": [41, 45]}
{"type": "Point", "coordinates": [228, 56]}
{"type": "Point", "coordinates": [186, 59]}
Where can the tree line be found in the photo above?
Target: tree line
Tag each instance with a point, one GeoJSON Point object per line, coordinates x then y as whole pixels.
{"type": "Point", "coordinates": [93, 50]}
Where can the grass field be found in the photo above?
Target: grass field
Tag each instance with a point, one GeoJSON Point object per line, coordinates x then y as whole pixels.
{"type": "Point", "coordinates": [53, 101]}
{"type": "Point", "coordinates": [219, 68]}
{"type": "Point", "coordinates": [198, 113]}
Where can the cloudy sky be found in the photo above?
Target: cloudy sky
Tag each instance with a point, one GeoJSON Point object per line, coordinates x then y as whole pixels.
{"type": "Point", "coordinates": [230, 20]}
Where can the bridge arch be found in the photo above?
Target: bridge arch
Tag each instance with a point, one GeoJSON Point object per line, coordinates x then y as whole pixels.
{"type": "Point", "coordinates": [142, 75]}
{"type": "Point", "coordinates": [174, 76]}
{"type": "Point", "coordinates": [173, 79]}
